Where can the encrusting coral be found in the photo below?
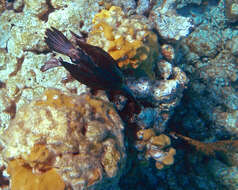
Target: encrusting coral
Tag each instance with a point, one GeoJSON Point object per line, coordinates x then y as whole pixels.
{"type": "Point", "coordinates": [127, 40]}
{"type": "Point", "coordinates": [157, 147]}
{"type": "Point", "coordinates": [72, 141]}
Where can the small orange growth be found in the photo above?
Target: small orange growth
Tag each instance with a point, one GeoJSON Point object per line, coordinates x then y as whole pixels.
{"type": "Point", "coordinates": [161, 140]}
{"type": "Point", "coordinates": [169, 158]}
{"type": "Point", "coordinates": [121, 48]}
{"type": "Point", "coordinates": [103, 14]}
{"type": "Point", "coordinates": [159, 166]}
{"type": "Point", "coordinates": [22, 178]}
{"type": "Point", "coordinates": [145, 134]}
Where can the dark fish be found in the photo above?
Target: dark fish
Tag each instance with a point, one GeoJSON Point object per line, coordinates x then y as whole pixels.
{"type": "Point", "coordinates": [91, 65]}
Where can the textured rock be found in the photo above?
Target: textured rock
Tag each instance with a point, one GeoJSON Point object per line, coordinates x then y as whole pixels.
{"type": "Point", "coordinates": [168, 24]}
{"type": "Point", "coordinates": [37, 8]}
{"type": "Point", "coordinates": [168, 52]}
{"type": "Point", "coordinates": [128, 6]}
{"type": "Point", "coordinates": [26, 35]}
{"type": "Point", "coordinates": [223, 174]}
{"type": "Point", "coordinates": [80, 137]}
{"type": "Point", "coordinates": [204, 41]}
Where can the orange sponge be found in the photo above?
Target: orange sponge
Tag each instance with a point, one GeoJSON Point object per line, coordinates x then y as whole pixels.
{"type": "Point", "coordinates": [22, 178]}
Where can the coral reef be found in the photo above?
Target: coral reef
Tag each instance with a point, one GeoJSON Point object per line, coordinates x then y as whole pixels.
{"type": "Point", "coordinates": [127, 39]}
{"type": "Point", "coordinates": [42, 142]}
{"type": "Point", "coordinates": [73, 140]}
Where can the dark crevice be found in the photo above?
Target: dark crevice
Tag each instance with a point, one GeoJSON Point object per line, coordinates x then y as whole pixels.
{"type": "Point", "coordinates": [38, 52]}
{"type": "Point", "coordinates": [8, 5]}
{"type": "Point", "coordinates": [2, 85]}
{"type": "Point", "coordinates": [18, 67]}
{"type": "Point", "coordinates": [50, 9]}
{"type": "Point", "coordinates": [4, 182]}
{"type": "Point", "coordinates": [11, 110]}
{"type": "Point", "coordinates": [19, 9]}
{"type": "Point", "coordinates": [6, 48]}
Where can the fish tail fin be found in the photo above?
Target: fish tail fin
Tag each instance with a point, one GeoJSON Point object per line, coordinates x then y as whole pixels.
{"type": "Point", "coordinates": [56, 41]}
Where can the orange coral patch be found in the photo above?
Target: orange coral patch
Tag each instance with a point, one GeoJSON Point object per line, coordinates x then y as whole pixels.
{"type": "Point", "coordinates": [22, 178]}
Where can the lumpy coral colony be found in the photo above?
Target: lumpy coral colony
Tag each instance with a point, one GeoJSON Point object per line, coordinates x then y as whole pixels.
{"type": "Point", "coordinates": [77, 141]}
{"type": "Point", "coordinates": [62, 140]}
